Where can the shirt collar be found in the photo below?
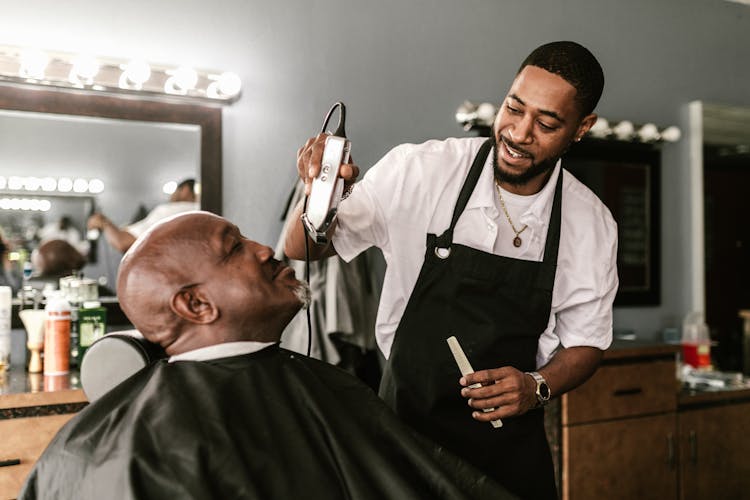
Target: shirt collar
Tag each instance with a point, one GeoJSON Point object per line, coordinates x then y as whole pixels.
{"type": "Point", "coordinates": [224, 350]}
{"type": "Point", "coordinates": [484, 194]}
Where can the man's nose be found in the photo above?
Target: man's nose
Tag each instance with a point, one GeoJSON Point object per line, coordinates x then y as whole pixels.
{"type": "Point", "coordinates": [264, 253]}
{"type": "Point", "coordinates": [520, 132]}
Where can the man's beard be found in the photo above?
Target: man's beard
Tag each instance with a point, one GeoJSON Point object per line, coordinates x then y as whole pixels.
{"type": "Point", "coordinates": [522, 178]}
{"type": "Point", "coordinates": [302, 291]}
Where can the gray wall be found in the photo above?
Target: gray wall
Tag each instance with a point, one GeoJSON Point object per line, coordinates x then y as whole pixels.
{"type": "Point", "coordinates": [403, 67]}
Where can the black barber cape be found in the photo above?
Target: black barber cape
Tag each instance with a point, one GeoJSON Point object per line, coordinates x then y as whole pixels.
{"type": "Point", "coordinates": [268, 425]}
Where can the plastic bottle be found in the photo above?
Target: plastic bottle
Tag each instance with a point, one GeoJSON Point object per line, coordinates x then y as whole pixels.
{"type": "Point", "coordinates": [5, 313]}
{"type": "Point", "coordinates": [696, 342]}
{"type": "Point", "coordinates": [92, 324]}
{"type": "Point", "coordinates": [57, 335]}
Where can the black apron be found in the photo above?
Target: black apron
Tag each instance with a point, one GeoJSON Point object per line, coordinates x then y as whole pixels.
{"type": "Point", "coordinates": [497, 307]}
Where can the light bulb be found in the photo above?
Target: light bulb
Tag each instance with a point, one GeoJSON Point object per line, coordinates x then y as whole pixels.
{"type": "Point", "coordinates": [33, 64]}
{"type": "Point", "coordinates": [623, 130]}
{"type": "Point", "coordinates": [96, 186]}
{"type": "Point", "coordinates": [671, 134]}
{"type": "Point", "coordinates": [185, 78]}
{"type": "Point", "coordinates": [80, 185]}
{"type": "Point", "coordinates": [64, 184]}
{"type": "Point", "coordinates": [648, 133]}
{"type": "Point", "coordinates": [229, 84]}
{"type": "Point", "coordinates": [49, 184]}
{"type": "Point", "coordinates": [135, 74]}
{"type": "Point", "coordinates": [85, 68]}
{"type": "Point", "coordinates": [486, 113]}
{"type": "Point", "coordinates": [600, 129]}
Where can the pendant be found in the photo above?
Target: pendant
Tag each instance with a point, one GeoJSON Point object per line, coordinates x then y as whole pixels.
{"type": "Point", "coordinates": [517, 241]}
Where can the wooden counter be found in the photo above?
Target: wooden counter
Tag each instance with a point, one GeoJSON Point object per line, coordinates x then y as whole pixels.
{"type": "Point", "coordinates": [631, 431]}
{"type": "Point", "coordinates": [32, 409]}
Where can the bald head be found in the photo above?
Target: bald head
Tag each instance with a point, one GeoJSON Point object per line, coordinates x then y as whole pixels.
{"type": "Point", "coordinates": [193, 280]}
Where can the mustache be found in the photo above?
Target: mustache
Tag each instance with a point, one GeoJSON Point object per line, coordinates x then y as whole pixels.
{"type": "Point", "coordinates": [515, 146]}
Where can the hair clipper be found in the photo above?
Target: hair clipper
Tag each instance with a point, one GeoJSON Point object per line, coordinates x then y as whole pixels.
{"type": "Point", "coordinates": [327, 187]}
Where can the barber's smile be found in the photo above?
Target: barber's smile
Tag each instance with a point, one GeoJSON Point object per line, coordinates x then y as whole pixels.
{"type": "Point", "coordinates": [513, 154]}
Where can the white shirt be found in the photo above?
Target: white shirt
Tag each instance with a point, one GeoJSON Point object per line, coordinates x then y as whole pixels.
{"type": "Point", "coordinates": [159, 213]}
{"type": "Point", "coordinates": [412, 191]}
{"type": "Point", "coordinates": [217, 351]}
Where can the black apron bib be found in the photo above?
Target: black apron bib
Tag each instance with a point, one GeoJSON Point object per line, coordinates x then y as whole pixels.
{"type": "Point", "coordinates": [497, 307]}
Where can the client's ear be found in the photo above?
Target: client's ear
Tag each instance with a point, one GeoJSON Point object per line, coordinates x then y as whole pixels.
{"type": "Point", "coordinates": [194, 306]}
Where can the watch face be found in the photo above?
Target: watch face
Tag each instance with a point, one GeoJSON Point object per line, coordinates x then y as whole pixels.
{"type": "Point", "coordinates": [544, 391]}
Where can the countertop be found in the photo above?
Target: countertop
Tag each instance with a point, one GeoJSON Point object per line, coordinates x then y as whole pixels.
{"type": "Point", "coordinates": [25, 394]}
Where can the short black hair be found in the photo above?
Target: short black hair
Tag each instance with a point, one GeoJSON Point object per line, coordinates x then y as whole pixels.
{"type": "Point", "coordinates": [187, 182]}
{"type": "Point", "coordinates": [576, 65]}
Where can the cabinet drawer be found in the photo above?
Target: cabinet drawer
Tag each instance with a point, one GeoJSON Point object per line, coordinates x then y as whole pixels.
{"type": "Point", "coordinates": [24, 439]}
{"type": "Point", "coordinates": [623, 390]}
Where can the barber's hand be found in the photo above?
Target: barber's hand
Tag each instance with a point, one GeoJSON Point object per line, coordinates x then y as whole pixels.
{"type": "Point", "coordinates": [96, 221]}
{"type": "Point", "coordinates": [309, 158]}
{"type": "Point", "coordinates": [509, 391]}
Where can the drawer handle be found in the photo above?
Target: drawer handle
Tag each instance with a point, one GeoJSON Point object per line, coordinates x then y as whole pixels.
{"type": "Point", "coordinates": [628, 392]}
{"type": "Point", "coordinates": [9, 462]}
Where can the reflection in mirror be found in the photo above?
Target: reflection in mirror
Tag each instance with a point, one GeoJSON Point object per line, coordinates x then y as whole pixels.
{"type": "Point", "coordinates": [129, 161]}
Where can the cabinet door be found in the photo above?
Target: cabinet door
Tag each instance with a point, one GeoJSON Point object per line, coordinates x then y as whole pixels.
{"type": "Point", "coordinates": [24, 439]}
{"type": "Point", "coordinates": [628, 458]}
{"type": "Point", "coordinates": [715, 452]}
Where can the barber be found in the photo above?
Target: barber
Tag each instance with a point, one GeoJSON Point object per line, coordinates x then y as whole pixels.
{"type": "Point", "coordinates": [492, 241]}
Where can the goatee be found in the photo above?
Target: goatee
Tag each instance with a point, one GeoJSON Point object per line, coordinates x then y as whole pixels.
{"type": "Point", "coordinates": [521, 179]}
{"type": "Point", "coordinates": [302, 291]}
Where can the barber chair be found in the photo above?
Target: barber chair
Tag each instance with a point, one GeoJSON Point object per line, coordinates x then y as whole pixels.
{"type": "Point", "coordinates": [113, 358]}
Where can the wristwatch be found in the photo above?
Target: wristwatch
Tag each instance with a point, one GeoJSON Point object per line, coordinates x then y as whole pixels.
{"type": "Point", "coordinates": [542, 389]}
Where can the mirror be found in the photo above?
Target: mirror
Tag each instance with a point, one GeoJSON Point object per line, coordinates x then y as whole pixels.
{"type": "Point", "coordinates": [68, 134]}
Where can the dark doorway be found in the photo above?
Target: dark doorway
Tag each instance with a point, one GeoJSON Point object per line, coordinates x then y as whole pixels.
{"type": "Point", "coordinates": [727, 228]}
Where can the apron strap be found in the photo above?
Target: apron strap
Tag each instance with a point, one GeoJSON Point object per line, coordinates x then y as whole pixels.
{"type": "Point", "coordinates": [553, 233]}
{"type": "Point", "coordinates": [446, 239]}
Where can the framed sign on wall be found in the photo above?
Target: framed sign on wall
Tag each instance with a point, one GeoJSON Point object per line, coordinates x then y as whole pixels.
{"type": "Point", "coordinates": [626, 177]}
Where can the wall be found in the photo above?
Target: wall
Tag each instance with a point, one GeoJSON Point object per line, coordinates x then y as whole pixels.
{"type": "Point", "coordinates": [403, 67]}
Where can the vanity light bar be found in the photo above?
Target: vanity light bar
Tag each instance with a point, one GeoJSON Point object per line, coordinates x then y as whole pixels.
{"type": "Point", "coordinates": [87, 72]}
{"type": "Point", "coordinates": [471, 115]}
{"type": "Point", "coordinates": [50, 184]}
{"type": "Point", "coordinates": [26, 204]}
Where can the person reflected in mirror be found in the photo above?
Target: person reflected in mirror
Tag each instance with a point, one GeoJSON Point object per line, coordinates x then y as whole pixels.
{"type": "Point", "coordinates": [230, 414]}
{"type": "Point", "coordinates": [184, 199]}
{"type": "Point", "coordinates": [63, 229]}
{"type": "Point", "coordinates": [9, 273]}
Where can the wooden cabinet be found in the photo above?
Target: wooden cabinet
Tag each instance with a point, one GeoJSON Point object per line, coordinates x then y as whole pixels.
{"type": "Point", "coordinates": [619, 432]}
{"type": "Point", "coordinates": [628, 432]}
{"type": "Point", "coordinates": [24, 439]}
{"type": "Point", "coordinates": [627, 458]}
{"type": "Point", "coordinates": [715, 452]}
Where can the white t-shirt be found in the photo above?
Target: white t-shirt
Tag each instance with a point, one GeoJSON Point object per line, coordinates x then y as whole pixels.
{"type": "Point", "coordinates": [412, 191]}
{"type": "Point", "coordinates": [161, 212]}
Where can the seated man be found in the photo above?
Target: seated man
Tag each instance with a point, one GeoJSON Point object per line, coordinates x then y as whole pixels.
{"type": "Point", "coordinates": [230, 414]}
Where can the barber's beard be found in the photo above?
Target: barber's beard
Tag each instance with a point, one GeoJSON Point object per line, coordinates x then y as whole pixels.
{"type": "Point", "coordinates": [521, 179]}
{"type": "Point", "coordinates": [302, 291]}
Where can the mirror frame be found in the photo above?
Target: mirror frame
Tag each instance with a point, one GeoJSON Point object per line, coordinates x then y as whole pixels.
{"type": "Point", "coordinates": [79, 103]}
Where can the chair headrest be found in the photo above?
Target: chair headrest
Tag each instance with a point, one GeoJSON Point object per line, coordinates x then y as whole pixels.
{"type": "Point", "coordinates": [113, 358]}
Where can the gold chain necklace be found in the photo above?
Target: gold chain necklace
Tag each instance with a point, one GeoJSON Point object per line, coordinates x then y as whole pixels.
{"type": "Point", "coordinates": [517, 240]}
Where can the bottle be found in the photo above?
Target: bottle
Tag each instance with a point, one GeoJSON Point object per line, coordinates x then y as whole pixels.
{"type": "Point", "coordinates": [56, 335]}
{"type": "Point", "coordinates": [696, 342]}
{"type": "Point", "coordinates": [5, 313]}
{"type": "Point", "coordinates": [92, 324]}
